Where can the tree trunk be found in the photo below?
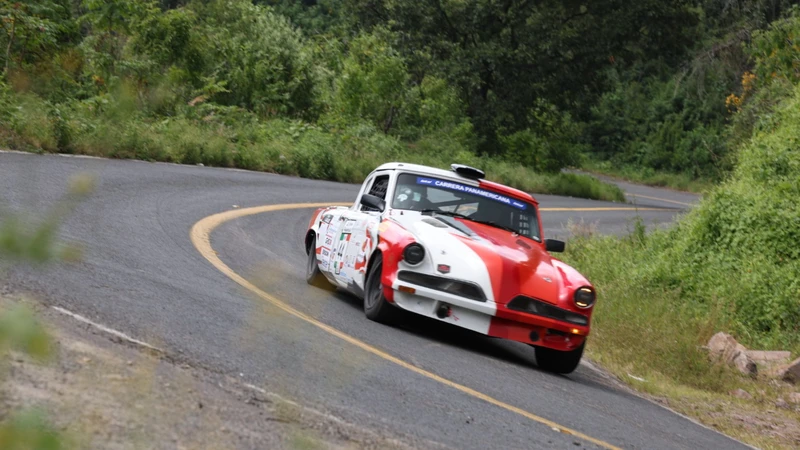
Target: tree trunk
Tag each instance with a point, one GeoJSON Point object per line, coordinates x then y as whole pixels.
{"type": "Point", "coordinates": [387, 125]}
{"type": "Point", "coordinates": [10, 41]}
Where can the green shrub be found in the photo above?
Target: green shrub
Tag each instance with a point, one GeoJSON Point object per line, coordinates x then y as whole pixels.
{"type": "Point", "coordinates": [631, 306]}
{"type": "Point", "coordinates": [670, 124]}
{"type": "Point", "coordinates": [773, 78]}
{"type": "Point", "coordinates": [29, 125]}
{"type": "Point", "coordinates": [373, 85]}
{"type": "Point", "coordinates": [549, 144]}
{"type": "Point", "coordinates": [263, 60]}
{"type": "Point", "coordinates": [731, 264]}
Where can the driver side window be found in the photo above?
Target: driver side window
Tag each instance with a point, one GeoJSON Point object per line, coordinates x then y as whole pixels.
{"type": "Point", "coordinates": [378, 189]}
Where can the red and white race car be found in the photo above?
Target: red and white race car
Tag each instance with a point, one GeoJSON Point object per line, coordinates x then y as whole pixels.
{"type": "Point", "coordinates": [454, 247]}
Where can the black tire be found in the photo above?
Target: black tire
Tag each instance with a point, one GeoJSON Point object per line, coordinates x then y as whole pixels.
{"type": "Point", "coordinates": [558, 361]}
{"type": "Point", "coordinates": [313, 275]}
{"type": "Point", "coordinates": [376, 307]}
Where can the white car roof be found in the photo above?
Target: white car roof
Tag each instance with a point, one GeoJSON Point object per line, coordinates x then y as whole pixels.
{"type": "Point", "coordinates": [453, 176]}
{"type": "Point", "coordinates": [441, 173]}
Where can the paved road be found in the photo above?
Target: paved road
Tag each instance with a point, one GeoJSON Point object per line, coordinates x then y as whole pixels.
{"type": "Point", "coordinates": [142, 275]}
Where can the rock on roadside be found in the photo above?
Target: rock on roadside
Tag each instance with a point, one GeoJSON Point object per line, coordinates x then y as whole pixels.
{"type": "Point", "coordinates": [766, 357]}
{"type": "Point", "coordinates": [741, 393]}
{"type": "Point", "coordinates": [723, 347]}
{"type": "Point", "coordinates": [787, 372]}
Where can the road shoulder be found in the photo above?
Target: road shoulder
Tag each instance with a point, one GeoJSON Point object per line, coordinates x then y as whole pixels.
{"type": "Point", "coordinates": [107, 392]}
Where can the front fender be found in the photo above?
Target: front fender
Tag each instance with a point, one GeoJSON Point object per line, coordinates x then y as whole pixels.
{"type": "Point", "coordinates": [571, 280]}
{"type": "Point", "coordinates": [392, 240]}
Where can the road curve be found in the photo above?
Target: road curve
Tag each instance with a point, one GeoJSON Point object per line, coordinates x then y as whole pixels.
{"type": "Point", "coordinates": [142, 275]}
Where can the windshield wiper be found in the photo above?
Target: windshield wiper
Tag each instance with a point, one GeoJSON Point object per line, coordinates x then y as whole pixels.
{"type": "Point", "coordinates": [496, 225]}
{"type": "Point", "coordinates": [445, 213]}
{"type": "Point", "coordinates": [462, 216]}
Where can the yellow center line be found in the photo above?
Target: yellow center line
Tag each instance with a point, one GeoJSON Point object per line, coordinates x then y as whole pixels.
{"type": "Point", "coordinates": [659, 199]}
{"type": "Point", "coordinates": [201, 238]}
{"type": "Point", "coordinates": [608, 208]}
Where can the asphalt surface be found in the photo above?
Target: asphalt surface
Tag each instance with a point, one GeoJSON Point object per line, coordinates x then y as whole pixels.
{"type": "Point", "coordinates": [142, 275]}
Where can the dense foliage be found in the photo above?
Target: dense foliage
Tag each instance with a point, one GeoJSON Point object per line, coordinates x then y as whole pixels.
{"type": "Point", "coordinates": [237, 83]}
{"type": "Point", "coordinates": [626, 87]}
{"type": "Point", "coordinates": [612, 84]}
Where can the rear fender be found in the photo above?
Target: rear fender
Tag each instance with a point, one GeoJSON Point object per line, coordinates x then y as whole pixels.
{"type": "Point", "coordinates": [313, 228]}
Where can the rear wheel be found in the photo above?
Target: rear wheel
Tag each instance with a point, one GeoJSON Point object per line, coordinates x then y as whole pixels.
{"type": "Point", "coordinates": [376, 307]}
{"type": "Point", "coordinates": [313, 275]}
{"type": "Point", "coordinates": [558, 361]}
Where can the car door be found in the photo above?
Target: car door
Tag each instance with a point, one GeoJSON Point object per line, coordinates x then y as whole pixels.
{"type": "Point", "coordinates": [357, 238]}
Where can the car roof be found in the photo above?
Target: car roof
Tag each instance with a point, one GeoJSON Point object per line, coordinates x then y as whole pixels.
{"type": "Point", "coordinates": [455, 176]}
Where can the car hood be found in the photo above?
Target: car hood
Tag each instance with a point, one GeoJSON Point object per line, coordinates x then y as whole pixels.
{"type": "Point", "coordinates": [516, 265]}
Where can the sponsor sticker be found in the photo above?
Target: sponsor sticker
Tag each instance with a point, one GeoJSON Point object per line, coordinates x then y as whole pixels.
{"type": "Point", "coordinates": [450, 185]}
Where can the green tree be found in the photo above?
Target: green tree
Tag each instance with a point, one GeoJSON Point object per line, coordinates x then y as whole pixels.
{"type": "Point", "coordinates": [110, 23]}
{"type": "Point", "coordinates": [505, 56]}
{"type": "Point", "coordinates": [264, 61]}
{"type": "Point", "coordinates": [373, 83]}
{"type": "Point", "coordinates": [30, 29]}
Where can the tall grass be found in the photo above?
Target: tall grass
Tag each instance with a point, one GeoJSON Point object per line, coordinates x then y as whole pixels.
{"type": "Point", "coordinates": [229, 137]}
{"type": "Point", "coordinates": [644, 329]}
{"type": "Point", "coordinates": [649, 176]}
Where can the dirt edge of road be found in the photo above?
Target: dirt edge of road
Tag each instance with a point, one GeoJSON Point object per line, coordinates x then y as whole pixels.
{"type": "Point", "coordinates": [105, 391]}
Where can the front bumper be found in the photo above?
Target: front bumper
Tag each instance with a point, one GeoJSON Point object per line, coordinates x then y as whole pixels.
{"type": "Point", "coordinates": [488, 318]}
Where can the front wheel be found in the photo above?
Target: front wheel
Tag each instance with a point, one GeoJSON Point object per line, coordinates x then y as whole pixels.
{"type": "Point", "coordinates": [558, 361]}
{"type": "Point", "coordinates": [376, 307]}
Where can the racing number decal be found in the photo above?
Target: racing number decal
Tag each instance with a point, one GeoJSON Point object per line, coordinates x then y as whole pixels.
{"type": "Point", "coordinates": [353, 245]}
{"type": "Point", "coordinates": [324, 241]}
{"type": "Point", "coordinates": [341, 249]}
{"type": "Point", "coordinates": [363, 250]}
{"type": "Point", "coordinates": [339, 253]}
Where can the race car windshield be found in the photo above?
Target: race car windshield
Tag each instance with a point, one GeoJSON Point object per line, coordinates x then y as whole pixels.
{"type": "Point", "coordinates": [428, 194]}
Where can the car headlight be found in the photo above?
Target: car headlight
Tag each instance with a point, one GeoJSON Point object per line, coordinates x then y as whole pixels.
{"type": "Point", "coordinates": [584, 297]}
{"type": "Point", "coordinates": [414, 254]}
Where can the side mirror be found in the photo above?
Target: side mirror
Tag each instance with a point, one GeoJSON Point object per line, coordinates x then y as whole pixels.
{"type": "Point", "coordinates": [554, 245]}
{"type": "Point", "coordinates": [373, 202]}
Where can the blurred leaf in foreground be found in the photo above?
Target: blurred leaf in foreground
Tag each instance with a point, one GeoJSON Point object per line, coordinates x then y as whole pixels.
{"type": "Point", "coordinates": [19, 330]}
{"type": "Point", "coordinates": [25, 240]}
{"type": "Point", "coordinates": [29, 430]}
